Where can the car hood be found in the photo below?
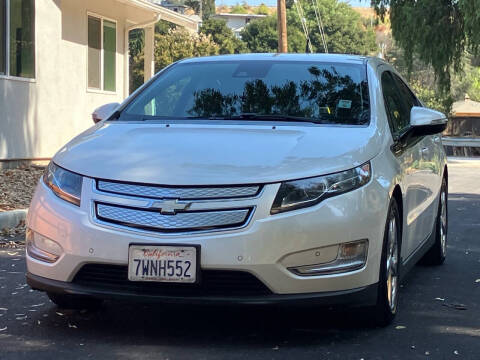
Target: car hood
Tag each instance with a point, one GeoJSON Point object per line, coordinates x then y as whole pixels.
{"type": "Point", "coordinates": [215, 154]}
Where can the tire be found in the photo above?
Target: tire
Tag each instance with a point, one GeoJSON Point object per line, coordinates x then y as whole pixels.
{"type": "Point", "coordinates": [389, 281]}
{"type": "Point", "coordinates": [438, 252]}
{"type": "Point", "coordinates": [76, 302]}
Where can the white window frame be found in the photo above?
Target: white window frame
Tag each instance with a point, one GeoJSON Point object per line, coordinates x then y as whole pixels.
{"type": "Point", "coordinates": [7, 47]}
{"type": "Point", "coordinates": [100, 90]}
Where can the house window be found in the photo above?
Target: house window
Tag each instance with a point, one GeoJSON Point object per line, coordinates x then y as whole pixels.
{"type": "Point", "coordinates": [102, 47]}
{"type": "Point", "coordinates": [17, 38]}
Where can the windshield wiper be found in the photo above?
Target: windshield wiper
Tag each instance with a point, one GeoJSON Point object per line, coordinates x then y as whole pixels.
{"type": "Point", "coordinates": [243, 116]}
{"type": "Point", "coordinates": [260, 117]}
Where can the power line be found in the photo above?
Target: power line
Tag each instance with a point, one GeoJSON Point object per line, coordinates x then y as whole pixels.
{"type": "Point", "coordinates": [316, 9]}
{"type": "Point", "coordinates": [303, 21]}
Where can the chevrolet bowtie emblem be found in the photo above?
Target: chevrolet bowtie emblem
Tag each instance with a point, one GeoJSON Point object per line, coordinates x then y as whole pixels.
{"type": "Point", "coordinates": [170, 207]}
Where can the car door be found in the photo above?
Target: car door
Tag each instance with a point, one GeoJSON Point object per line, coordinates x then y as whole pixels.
{"type": "Point", "coordinates": [407, 152]}
{"type": "Point", "coordinates": [428, 175]}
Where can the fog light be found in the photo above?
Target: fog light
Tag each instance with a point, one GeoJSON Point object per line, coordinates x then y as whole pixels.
{"type": "Point", "coordinates": [351, 256]}
{"type": "Point", "coordinates": [42, 248]}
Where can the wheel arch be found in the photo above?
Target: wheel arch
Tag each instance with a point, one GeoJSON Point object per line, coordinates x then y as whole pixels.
{"type": "Point", "coordinates": [397, 195]}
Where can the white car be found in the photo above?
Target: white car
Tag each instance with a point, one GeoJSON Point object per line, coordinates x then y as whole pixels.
{"type": "Point", "coordinates": [257, 179]}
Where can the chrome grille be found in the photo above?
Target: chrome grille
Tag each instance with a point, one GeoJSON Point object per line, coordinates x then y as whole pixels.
{"type": "Point", "coordinates": [188, 193]}
{"type": "Point", "coordinates": [182, 221]}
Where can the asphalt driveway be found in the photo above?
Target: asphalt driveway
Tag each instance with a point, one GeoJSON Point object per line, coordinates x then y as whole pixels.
{"type": "Point", "coordinates": [439, 314]}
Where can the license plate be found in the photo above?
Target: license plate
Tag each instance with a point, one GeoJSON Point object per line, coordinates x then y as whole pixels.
{"type": "Point", "coordinates": [162, 263]}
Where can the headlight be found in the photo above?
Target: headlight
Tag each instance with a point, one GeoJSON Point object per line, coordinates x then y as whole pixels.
{"type": "Point", "coordinates": [298, 194]}
{"type": "Point", "coordinates": [64, 183]}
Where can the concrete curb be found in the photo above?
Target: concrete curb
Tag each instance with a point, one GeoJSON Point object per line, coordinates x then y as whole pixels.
{"type": "Point", "coordinates": [10, 219]}
{"type": "Point", "coordinates": [473, 162]}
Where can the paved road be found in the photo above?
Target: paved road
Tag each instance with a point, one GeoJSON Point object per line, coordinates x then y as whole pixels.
{"type": "Point", "coordinates": [430, 325]}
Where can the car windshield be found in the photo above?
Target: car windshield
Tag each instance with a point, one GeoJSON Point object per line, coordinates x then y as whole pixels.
{"type": "Point", "coordinates": [319, 92]}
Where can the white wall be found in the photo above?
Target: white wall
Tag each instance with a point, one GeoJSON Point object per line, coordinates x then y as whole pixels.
{"type": "Point", "coordinates": [235, 22]}
{"type": "Point", "coordinates": [37, 117]}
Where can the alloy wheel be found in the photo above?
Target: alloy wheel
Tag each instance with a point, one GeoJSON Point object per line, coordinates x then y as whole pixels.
{"type": "Point", "coordinates": [392, 264]}
{"type": "Point", "coordinates": [443, 223]}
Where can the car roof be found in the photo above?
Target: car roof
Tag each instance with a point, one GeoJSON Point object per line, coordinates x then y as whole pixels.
{"type": "Point", "coordinates": [335, 58]}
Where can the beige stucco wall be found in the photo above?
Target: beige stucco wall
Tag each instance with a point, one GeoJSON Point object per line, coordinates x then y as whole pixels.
{"type": "Point", "coordinates": [38, 117]}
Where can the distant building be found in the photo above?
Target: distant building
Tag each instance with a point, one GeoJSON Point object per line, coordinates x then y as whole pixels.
{"type": "Point", "coordinates": [465, 119]}
{"type": "Point", "coordinates": [181, 9]}
{"type": "Point", "coordinates": [174, 7]}
{"type": "Point", "coordinates": [464, 123]}
{"type": "Point", "coordinates": [237, 22]}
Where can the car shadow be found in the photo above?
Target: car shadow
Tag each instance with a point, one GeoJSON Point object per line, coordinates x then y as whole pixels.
{"type": "Point", "coordinates": [192, 326]}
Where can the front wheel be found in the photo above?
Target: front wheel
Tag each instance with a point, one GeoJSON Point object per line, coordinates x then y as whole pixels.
{"type": "Point", "coordinates": [438, 252]}
{"type": "Point", "coordinates": [389, 284]}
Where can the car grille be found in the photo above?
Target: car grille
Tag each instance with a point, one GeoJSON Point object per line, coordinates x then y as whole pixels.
{"type": "Point", "coordinates": [185, 193]}
{"type": "Point", "coordinates": [168, 209]}
{"type": "Point", "coordinates": [184, 221]}
{"type": "Point", "coordinates": [212, 283]}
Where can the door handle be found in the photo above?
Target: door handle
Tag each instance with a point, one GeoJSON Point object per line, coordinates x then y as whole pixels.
{"type": "Point", "coordinates": [425, 150]}
{"type": "Point", "coordinates": [436, 138]}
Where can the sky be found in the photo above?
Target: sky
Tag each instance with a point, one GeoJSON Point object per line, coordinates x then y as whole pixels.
{"type": "Point", "coordinates": [274, 2]}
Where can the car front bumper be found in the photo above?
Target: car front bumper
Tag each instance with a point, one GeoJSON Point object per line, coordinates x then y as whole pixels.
{"type": "Point", "coordinates": [363, 296]}
{"type": "Point", "coordinates": [265, 248]}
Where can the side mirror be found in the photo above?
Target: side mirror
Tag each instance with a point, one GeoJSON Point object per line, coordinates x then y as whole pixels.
{"type": "Point", "coordinates": [425, 121]}
{"type": "Point", "coordinates": [104, 111]}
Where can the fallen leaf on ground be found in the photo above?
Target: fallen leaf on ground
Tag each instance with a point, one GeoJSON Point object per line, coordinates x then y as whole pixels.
{"type": "Point", "coordinates": [17, 186]}
{"type": "Point", "coordinates": [456, 306]}
{"type": "Point", "coordinates": [36, 305]}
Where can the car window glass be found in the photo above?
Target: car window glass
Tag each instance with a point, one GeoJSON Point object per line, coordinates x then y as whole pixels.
{"type": "Point", "coordinates": [407, 94]}
{"type": "Point", "coordinates": [329, 93]}
{"type": "Point", "coordinates": [164, 101]}
{"type": "Point", "coordinates": [397, 107]}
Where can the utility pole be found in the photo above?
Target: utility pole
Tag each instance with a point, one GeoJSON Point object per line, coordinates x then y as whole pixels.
{"type": "Point", "coordinates": [282, 26]}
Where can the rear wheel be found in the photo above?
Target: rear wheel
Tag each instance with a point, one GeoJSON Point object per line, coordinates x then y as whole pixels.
{"type": "Point", "coordinates": [66, 301]}
{"type": "Point", "coordinates": [387, 298]}
{"type": "Point", "coordinates": [438, 252]}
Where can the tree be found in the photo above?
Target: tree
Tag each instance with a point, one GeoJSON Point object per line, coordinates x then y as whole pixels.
{"type": "Point", "coordinates": [223, 36]}
{"type": "Point", "coordinates": [262, 9]}
{"type": "Point", "coordinates": [260, 36]}
{"type": "Point", "coordinates": [194, 4]}
{"type": "Point", "coordinates": [179, 44]}
{"type": "Point", "coordinates": [163, 27]}
{"type": "Point", "coordinates": [437, 32]}
{"type": "Point", "coordinates": [136, 42]}
{"type": "Point", "coordinates": [170, 46]}
{"type": "Point", "coordinates": [343, 27]}
{"type": "Point", "coordinates": [208, 7]}
{"type": "Point", "coordinates": [239, 9]}
{"type": "Point", "coordinates": [421, 77]}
